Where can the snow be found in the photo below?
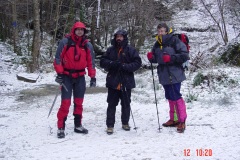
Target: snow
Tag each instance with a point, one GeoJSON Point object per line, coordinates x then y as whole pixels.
{"type": "Point", "coordinates": [27, 133]}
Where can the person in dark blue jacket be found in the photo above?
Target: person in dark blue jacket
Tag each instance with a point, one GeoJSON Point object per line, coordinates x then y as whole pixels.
{"type": "Point", "coordinates": [170, 53]}
{"type": "Point", "coordinates": [120, 61]}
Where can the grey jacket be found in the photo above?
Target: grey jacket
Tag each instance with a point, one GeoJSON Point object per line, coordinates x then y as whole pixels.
{"type": "Point", "coordinates": [172, 72]}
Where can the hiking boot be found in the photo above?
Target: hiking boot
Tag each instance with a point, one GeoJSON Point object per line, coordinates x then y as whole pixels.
{"type": "Point", "coordinates": [170, 123]}
{"type": "Point", "coordinates": [60, 133]}
{"type": "Point", "coordinates": [109, 130]}
{"type": "Point", "coordinates": [81, 129]}
{"type": "Point", "coordinates": [126, 127]}
{"type": "Point", "coordinates": [181, 127]}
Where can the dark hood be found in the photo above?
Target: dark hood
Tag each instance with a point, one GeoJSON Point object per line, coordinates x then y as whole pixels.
{"type": "Point", "coordinates": [125, 38]}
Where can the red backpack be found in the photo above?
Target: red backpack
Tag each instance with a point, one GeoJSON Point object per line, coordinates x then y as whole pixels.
{"type": "Point", "coordinates": [184, 38]}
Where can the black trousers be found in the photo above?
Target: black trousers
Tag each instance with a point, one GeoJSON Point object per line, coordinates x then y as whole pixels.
{"type": "Point", "coordinates": [113, 99]}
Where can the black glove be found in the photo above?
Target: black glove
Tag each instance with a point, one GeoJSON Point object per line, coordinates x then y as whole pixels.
{"type": "Point", "coordinates": [93, 82]}
{"type": "Point", "coordinates": [59, 78]}
{"type": "Point", "coordinates": [116, 65]}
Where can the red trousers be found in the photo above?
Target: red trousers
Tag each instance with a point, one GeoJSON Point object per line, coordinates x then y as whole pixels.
{"type": "Point", "coordinates": [77, 87]}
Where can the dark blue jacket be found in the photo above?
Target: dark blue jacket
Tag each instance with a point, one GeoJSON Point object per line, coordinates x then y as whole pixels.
{"type": "Point", "coordinates": [130, 59]}
{"type": "Point", "coordinates": [178, 51]}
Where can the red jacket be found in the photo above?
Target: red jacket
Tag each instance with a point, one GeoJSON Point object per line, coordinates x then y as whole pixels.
{"type": "Point", "coordinates": [73, 57]}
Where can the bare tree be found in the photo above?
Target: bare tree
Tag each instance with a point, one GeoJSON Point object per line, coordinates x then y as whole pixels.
{"type": "Point", "coordinates": [36, 37]}
{"type": "Point", "coordinates": [56, 27]}
{"type": "Point", "coordinates": [5, 20]}
{"type": "Point", "coordinates": [234, 8]}
{"type": "Point", "coordinates": [218, 18]}
{"type": "Point", "coordinates": [140, 19]}
{"type": "Point", "coordinates": [14, 25]}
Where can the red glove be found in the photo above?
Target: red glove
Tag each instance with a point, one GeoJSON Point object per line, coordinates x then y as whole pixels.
{"type": "Point", "coordinates": [150, 55]}
{"type": "Point", "coordinates": [166, 57]}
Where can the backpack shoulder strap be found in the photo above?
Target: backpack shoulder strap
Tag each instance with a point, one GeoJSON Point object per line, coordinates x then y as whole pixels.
{"type": "Point", "coordinates": [86, 47]}
{"type": "Point", "coordinates": [69, 43]}
{"type": "Point", "coordinates": [173, 41]}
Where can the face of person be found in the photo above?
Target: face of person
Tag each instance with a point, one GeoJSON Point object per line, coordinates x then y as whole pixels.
{"type": "Point", "coordinates": [79, 32]}
{"type": "Point", "coordinates": [161, 31]}
{"type": "Point", "coordinates": [119, 38]}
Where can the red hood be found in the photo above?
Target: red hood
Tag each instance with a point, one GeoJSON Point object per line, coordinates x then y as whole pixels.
{"type": "Point", "coordinates": [78, 25]}
{"type": "Point", "coordinates": [76, 38]}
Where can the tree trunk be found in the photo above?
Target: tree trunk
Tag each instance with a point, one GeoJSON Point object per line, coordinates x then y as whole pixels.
{"type": "Point", "coordinates": [92, 28]}
{"type": "Point", "coordinates": [5, 30]}
{"type": "Point", "coordinates": [56, 27]}
{"type": "Point", "coordinates": [28, 28]}
{"type": "Point", "coordinates": [70, 19]}
{"type": "Point", "coordinates": [220, 24]}
{"type": "Point", "coordinates": [14, 25]}
{"type": "Point", "coordinates": [36, 36]}
{"type": "Point", "coordinates": [41, 21]}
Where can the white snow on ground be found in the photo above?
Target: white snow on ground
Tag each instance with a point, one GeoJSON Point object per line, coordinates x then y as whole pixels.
{"type": "Point", "coordinates": [27, 133]}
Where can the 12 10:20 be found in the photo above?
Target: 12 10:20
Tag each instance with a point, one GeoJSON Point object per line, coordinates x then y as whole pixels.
{"type": "Point", "coordinates": [199, 152]}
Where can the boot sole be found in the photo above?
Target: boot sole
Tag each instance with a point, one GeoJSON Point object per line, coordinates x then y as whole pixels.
{"type": "Point", "coordinates": [61, 136]}
{"type": "Point", "coordinates": [126, 129]}
{"type": "Point", "coordinates": [182, 131]}
{"type": "Point", "coordinates": [109, 133]}
{"type": "Point", "coordinates": [82, 132]}
{"type": "Point", "coordinates": [174, 125]}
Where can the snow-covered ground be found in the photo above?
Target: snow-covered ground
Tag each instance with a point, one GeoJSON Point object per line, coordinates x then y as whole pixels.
{"type": "Point", "coordinates": [27, 133]}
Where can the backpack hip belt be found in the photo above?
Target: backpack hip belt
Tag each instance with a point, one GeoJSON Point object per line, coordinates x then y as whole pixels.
{"type": "Point", "coordinates": [74, 73]}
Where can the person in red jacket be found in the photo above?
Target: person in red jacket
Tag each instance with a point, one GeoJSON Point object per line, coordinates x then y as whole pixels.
{"type": "Point", "coordinates": [72, 58]}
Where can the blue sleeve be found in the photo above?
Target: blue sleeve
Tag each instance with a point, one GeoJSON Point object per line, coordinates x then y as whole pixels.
{"type": "Point", "coordinates": [90, 46]}
{"type": "Point", "coordinates": [182, 54]}
{"type": "Point", "coordinates": [60, 47]}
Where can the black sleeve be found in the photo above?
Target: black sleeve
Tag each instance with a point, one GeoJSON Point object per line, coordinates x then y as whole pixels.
{"type": "Point", "coordinates": [135, 63]}
{"type": "Point", "coordinates": [105, 61]}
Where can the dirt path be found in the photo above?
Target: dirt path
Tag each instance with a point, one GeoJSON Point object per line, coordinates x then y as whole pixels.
{"type": "Point", "coordinates": [49, 89]}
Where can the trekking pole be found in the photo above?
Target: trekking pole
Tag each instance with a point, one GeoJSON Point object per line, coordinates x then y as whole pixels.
{"type": "Point", "coordinates": [155, 97]}
{"type": "Point", "coordinates": [64, 87]}
{"type": "Point", "coordinates": [53, 102]}
{"type": "Point", "coordinates": [58, 92]}
{"type": "Point", "coordinates": [125, 90]}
